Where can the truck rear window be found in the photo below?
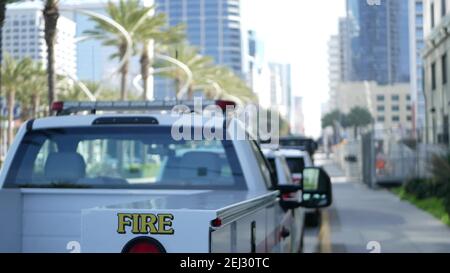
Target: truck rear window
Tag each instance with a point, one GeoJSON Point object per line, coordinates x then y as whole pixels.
{"type": "Point", "coordinates": [123, 157]}
{"type": "Point", "coordinates": [296, 164]}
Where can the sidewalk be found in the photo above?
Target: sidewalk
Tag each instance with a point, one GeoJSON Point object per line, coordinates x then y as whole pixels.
{"type": "Point", "coordinates": [360, 216]}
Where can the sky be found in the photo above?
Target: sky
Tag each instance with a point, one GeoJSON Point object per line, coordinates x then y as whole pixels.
{"type": "Point", "coordinates": [297, 32]}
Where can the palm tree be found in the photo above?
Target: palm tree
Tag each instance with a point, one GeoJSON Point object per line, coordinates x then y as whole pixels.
{"type": "Point", "coordinates": [199, 65]}
{"type": "Point", "coordinates": [207, 76]}
{"type": "Point", "coordinates": [232, 84]}
{"type": "Point", "coordinates": [153, 30]}
{"type": "Point", "coordinates": [51, 15]}
{"type": "Point", "coordinates": [3, 4]}
{"type": "Point", "coordinates": [14, 73]}
{"type": "Point", "coordinates": [31, 92]}
{"type": "Point", "coordinates": [130, 15]}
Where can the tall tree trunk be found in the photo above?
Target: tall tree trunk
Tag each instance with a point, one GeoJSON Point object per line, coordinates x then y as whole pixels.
{"type": "Point", "coordinates": [124, 73]}
{"type": "Point", "coordinates": [190, 92]}
{"type": "Point", "coordinates": [177, 87]}
{"type": "Point", "coordinates": [2, 21]}
{"type": "Point", "coordinates": [35, 106]}
{"type": "Point", "coordinates": [145, 68]}
{"type": "Point", "coordinates": [51, 15]}
{"type": "Point", "coordinates": [11, 101]}
{"type": "Point", "coordinates": [123, 81]}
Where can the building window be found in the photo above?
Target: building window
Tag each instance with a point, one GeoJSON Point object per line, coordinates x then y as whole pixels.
{"type": "Point", "coordinates": [380, 108]}
{"type": "Point", "coordinates": [409, 108]}
{"type": "Point", "coordinates": [433, 76]}
{"type": "Point", "coordinates": [380, 98]}
{"type": "Point", "coordinates": [408, 97]}
{"type": "Point", "coordinates": [432, 15]}
{"type": "Point", "coordinates": [443, 7]}
{"type": "Point", "coordinates": [395, 118]}
{"type": "Point", "coordinates": [444, 68]}
{"type": "Point", "coordinates": [409, 118]}
{"type": "Point", "coordinates": [381, 119]}
{"type": "Point", "coordinates": [395, 108]}
{"type": "Point", "coordinates": [395, 97]}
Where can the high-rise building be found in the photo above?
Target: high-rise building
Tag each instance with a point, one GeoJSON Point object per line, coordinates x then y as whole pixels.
{"type": "Point", "coordinates": [214, 26]}
{"type": "Point", "coordinates": [436, 78]}
{"type": "Point", "coordinates": [389, 105]}
{"type": "Point", "coordinates": [334, 68]}
{"type": "Point", "coordinates": [379, 41]}
{"type": "Point", "coordinates": [345, 35]}
{"type": "Point", "coordinates": [253, 60]}
{"type": "Point", "coordinates": [93, 58]}
{"type": "Point", "coordinates": [23, 36]}
{"type": "Point", "coordinates": [280, 88]}
{"type": "Point", "coordinates": [297, 116]}
{"type": "Point", "coordinates": [416, 47]}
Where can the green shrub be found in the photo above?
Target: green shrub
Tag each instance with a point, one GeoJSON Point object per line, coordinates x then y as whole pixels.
{"type": "Point", "coordinates": [440, 168]}
{"type": "Point", "coordinates": [433, 205]}
{"type": "Point", "coordinates": [421, 188]}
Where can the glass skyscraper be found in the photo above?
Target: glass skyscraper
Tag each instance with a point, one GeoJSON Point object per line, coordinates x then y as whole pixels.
{"type": "Point", "coordinates": [379, 41]}
{"type": "Point", "coordinates": [416, 47]}
{"type": "Point", "coordinates": [214, 26]}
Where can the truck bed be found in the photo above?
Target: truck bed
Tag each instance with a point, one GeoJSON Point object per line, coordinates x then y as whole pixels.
{"type": "Point", "coordinates": [51, 218]}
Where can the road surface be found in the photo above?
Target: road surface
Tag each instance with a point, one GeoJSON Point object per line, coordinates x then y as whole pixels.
{"type": "Point", "coordinates": [362, 220]}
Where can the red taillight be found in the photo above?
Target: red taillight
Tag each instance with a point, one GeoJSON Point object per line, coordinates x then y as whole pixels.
{"type": "Point", "coordinates": [57, 106]}
{"type": "Point", "coordinates": [143, 245]}
{"type": "Point", "coordinates": [216, 222]}
{"type": "Point", "coordinates": [224, 104]}
{"type": "Point", "coordinates": [288, 195]}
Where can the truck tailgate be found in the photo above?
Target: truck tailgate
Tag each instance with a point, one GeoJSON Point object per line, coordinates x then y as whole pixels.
{"type": "Point", "coordinates": [110, 229]}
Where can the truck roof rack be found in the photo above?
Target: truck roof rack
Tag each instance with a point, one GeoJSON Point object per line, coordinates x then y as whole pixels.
{"type": "Point", "coordinates": [74, 107]}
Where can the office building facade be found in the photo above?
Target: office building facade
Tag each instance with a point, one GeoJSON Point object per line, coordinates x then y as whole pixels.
{"type": "Point", "coordinates": [212, 25]}
{"type": "Point", "coordinates": [436, 77]}
{"type": "Point", "coordinates": [379, 41]}
{"type": "Point", "coordinates": [23, 36]}
{"type": "Point", "coordinates": [389, 105]}
{"type": "Point", "coordinates": [416, 70]}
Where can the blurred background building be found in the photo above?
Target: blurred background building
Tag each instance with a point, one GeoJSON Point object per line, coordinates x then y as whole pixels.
{"type": "Point", "coordinates": [297, 116]}
{"type": "Point", "coordinates": [93, 58]}
{"type": "Point", "coordinates": [379, 41]}
{"type": "Point", "coordinates": [23, 36]}
{"type": "Point", "coordinates": [416, 71]}
{"type": "Point", "coordinates": [436, 52]}
{"type": "Point", "coordinates": [389, 105]}
{"type": "Point", "coordinates": [213, 26]}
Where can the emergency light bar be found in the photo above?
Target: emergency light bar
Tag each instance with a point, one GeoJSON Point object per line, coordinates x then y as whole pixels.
{"type": "Point", "coordinates": [72, 107]}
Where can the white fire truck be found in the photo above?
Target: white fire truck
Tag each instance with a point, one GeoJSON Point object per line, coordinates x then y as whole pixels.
{"type": "Point", "coordinates": [117, 177]}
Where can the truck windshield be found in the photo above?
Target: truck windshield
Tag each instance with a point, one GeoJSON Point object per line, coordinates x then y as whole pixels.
{"type": "Point", "coordinates": [123, 157]}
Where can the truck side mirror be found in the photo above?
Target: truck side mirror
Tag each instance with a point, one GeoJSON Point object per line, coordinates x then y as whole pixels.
{"type": "Point", "coordinates": [317, 192]}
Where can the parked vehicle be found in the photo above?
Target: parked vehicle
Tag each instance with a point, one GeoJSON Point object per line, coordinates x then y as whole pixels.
{"type": "Point", "coordinates": [299, 160]}
{"type": "Point", "coordinates": [126, 177]}
{"type": "Point", "coordinates": [299, 143]}
{"type": "Point", "coordinates": [283, 176]}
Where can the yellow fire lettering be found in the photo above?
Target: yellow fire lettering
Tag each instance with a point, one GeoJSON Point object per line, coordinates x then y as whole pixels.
{"type": "Point", "coordinates": [135, 229]}
{"type": "Point", "coordinates": [165, 224]}
{"type": "Point", "coordinates": [124, 220]}
{"type": "Point", "coordinates": [148, 222]}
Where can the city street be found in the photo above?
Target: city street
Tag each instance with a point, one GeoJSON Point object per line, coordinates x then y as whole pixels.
{"type": "Point", "coordinates": [362, 220]}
